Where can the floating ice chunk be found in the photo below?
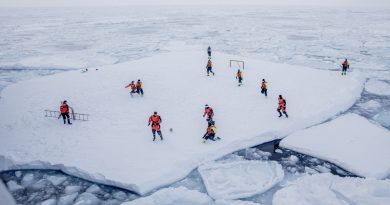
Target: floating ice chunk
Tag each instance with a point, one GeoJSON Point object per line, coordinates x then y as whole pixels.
{"type": "Point", "coordinates": [13, 186]}
{"type": "Point", "coordinates": [328, 189]}
{"type": "Point", "coordinates": [310, 170]}
{"type": "Point", "coordinates": [40, 184]}
{"type": "Point", "coordinates": [72, 189]}
{"type": "Point", "coordinates": [240, 179]}
{"type": "Point", "coordinates": [383, 118]}
{"type": "Point", "coordinates": [279, 151]}
{"type": "Point", "coordinates": [370, 105]}
{"type": "Point", "coordinates": [322, 169]}
{"type": "Point", "coordinates": [87, 199]}
{"type": "Point", "coordinates": [377, 87]}
{"type": "Point", "coordinates": [170, 196]}
{"type": "Point", "coordinates": [234, 202]}
{"type": "Point", "coordinates": [56, 180]}
{"type": "Point", "coordinates": [49, 202]}
{"type": "Point", "coordinates": [27, 179]}
{"type": "Point", "coordinates": [93, 189]}
{"type": "Point", "coordinates": [120, 195]}
{"type": "Point", "coordinates": [67, 199]}
{"type": "Point", "coordinates": [18, 174]}
{"type": "Point", "coordinates": [350, 141]}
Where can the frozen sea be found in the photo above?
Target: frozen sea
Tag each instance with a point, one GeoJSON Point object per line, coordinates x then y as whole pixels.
{"type": "Point", "coordinates": [44, 41]}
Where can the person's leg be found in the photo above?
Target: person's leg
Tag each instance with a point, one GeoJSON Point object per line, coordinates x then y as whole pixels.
{"type": "Point", "coordinates": [284, 111]}
{"type": "Point", "coordinates": [159, 133]}
{"type": "Point", "coordinates": [63, 117]}
{"type": "Point", "coordinates": [142, 91]}
{"type": "Point", "coordinates": [265, 92]}
{"type": "Point", "coordinates": [280, 114]}
{"type": "Point", "coordinates": [212, 136]}
{"type": "Point", "coordinates": [208, 71]}
{"type": "Point", "coordinates": [67, 115]}
{"type": "Point", "coordinates": [154, 134]}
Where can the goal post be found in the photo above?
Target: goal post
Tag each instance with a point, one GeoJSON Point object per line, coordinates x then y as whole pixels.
{"type": "Point", "coordinates": [237, 63]}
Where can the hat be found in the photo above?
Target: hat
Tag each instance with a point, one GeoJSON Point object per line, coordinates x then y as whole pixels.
{"type": "Point", "coordinates": [155, 112]}
{"type": "Point", "coordinates": [206, 105]}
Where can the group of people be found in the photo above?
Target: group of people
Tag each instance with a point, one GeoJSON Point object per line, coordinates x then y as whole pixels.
{"type": "Point", "coordinates": [211, 128]}
{"type": "Point", "coordinates": [135, 88]}
{"type": "Point", "coordinates": [155, 119]}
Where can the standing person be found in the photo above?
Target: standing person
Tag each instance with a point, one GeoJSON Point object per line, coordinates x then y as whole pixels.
{"type": "Point", "coordinates": [264, 87]}
{"type": "Point", "coordinates": [132, 87]}
{"type": "Point", "coordinates": [155, 120]}
{"type": "Point", "coordinates": [210, 133]}
{"type": "Point", "coordinates": [239, 77]}
{"type": "Point", "coordinates": [209, 67]}
{"type": "Point", "coordinates": [64, 109]}
{"type": "Point", "coordinates": [282, 106]}
{"type": "Point", "coordinates": [208, 111]}
{"type": "Point", "coordinates": [209, 52]}
{"type": "Point", "coordinates": [345, 66]}
{"type": "Point", "coordinates": [139, 87]}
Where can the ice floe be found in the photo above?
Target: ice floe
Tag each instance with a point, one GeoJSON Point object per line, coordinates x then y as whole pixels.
{"type": "Point", "coordinates": [240, 179]}
{"type": "Point", "coordinates": [115, 146]}
{"type": "Point", "coordinates": [328, 189]}
{"type": "Point", "coordinates": [350, 141]}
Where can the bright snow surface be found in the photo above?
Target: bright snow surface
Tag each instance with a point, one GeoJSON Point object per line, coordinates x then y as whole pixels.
{"type": "Point", "coordinates": [182, 195]}
{"type": "Point", "coordinates": [327, 189]}
{"type": "Point", "coordinates": [115, 147]}
{"type": "Point", "coordinates": [350, 141]}
{"type": "Point", "coordinates": [240, 179]}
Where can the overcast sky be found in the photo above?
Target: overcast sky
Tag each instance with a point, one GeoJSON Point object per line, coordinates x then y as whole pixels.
{"type": "Point", "coordinates": [60, 3]}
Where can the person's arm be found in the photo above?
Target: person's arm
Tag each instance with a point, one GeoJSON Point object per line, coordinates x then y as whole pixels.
{"type": "Point", "coordinates": [150, 120]}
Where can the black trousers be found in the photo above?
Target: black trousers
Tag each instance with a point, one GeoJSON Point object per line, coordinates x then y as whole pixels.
{"type": "Point", "coordinates": [66, 116]}
{"type": "Point", "coordinates": [140, 91]}
{"type": "Point", "coordinates": [264, 91]}
{"type": "Point", "coordinates": [209, 136]}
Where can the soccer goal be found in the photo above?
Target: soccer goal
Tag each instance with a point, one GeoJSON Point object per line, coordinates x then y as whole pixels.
{"type": "Point", "coordinates": [237, 64]}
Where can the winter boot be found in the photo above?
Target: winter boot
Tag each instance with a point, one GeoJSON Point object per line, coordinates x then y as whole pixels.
{"type": "Point", "coordinates": [154, 137]}
{"type": "Point", "coordinates": [285, 114]}
{"type": "Point", "coordinates": [64, 121]}
{"type": "Point", "coordinates": [69, 121]}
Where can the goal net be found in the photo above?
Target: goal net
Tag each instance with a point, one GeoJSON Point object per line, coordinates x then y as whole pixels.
{"type": "Point", "coordinates": [237, 64]}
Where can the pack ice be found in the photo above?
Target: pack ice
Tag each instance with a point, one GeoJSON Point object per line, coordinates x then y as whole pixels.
{"type": "Point", "coordinates": [115, 146]}
{"type": "Point", "coordinates": [350, 141]}
{"type": "Point", "coordinates": [328, 189]}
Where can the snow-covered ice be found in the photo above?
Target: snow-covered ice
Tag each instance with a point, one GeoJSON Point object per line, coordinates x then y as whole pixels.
{"type": "Point", "coordinates": [350, 141]}
{"type": "Point", "coordinates": [115, 146]}
{"type": "Point", "coordinates": [378, 87]}
{"type": "Point", "coordinates": [383, 118]}
{"type": "Point", "coordinates": [328, 189]}
{"type": "Point", "coordinates": [13, 186]}
{"type": "Point", "coordinates": [240, 179]}
{"type": "Point", "coordinates": [5, 196]}
{"type": "Point", "coordinates": [182, 195]}
{"type": "Point", "coordinates": [170, 196]}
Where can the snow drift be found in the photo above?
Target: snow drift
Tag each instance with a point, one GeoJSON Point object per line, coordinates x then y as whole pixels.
{"type": "Point", "coordinates": [115, 147]}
